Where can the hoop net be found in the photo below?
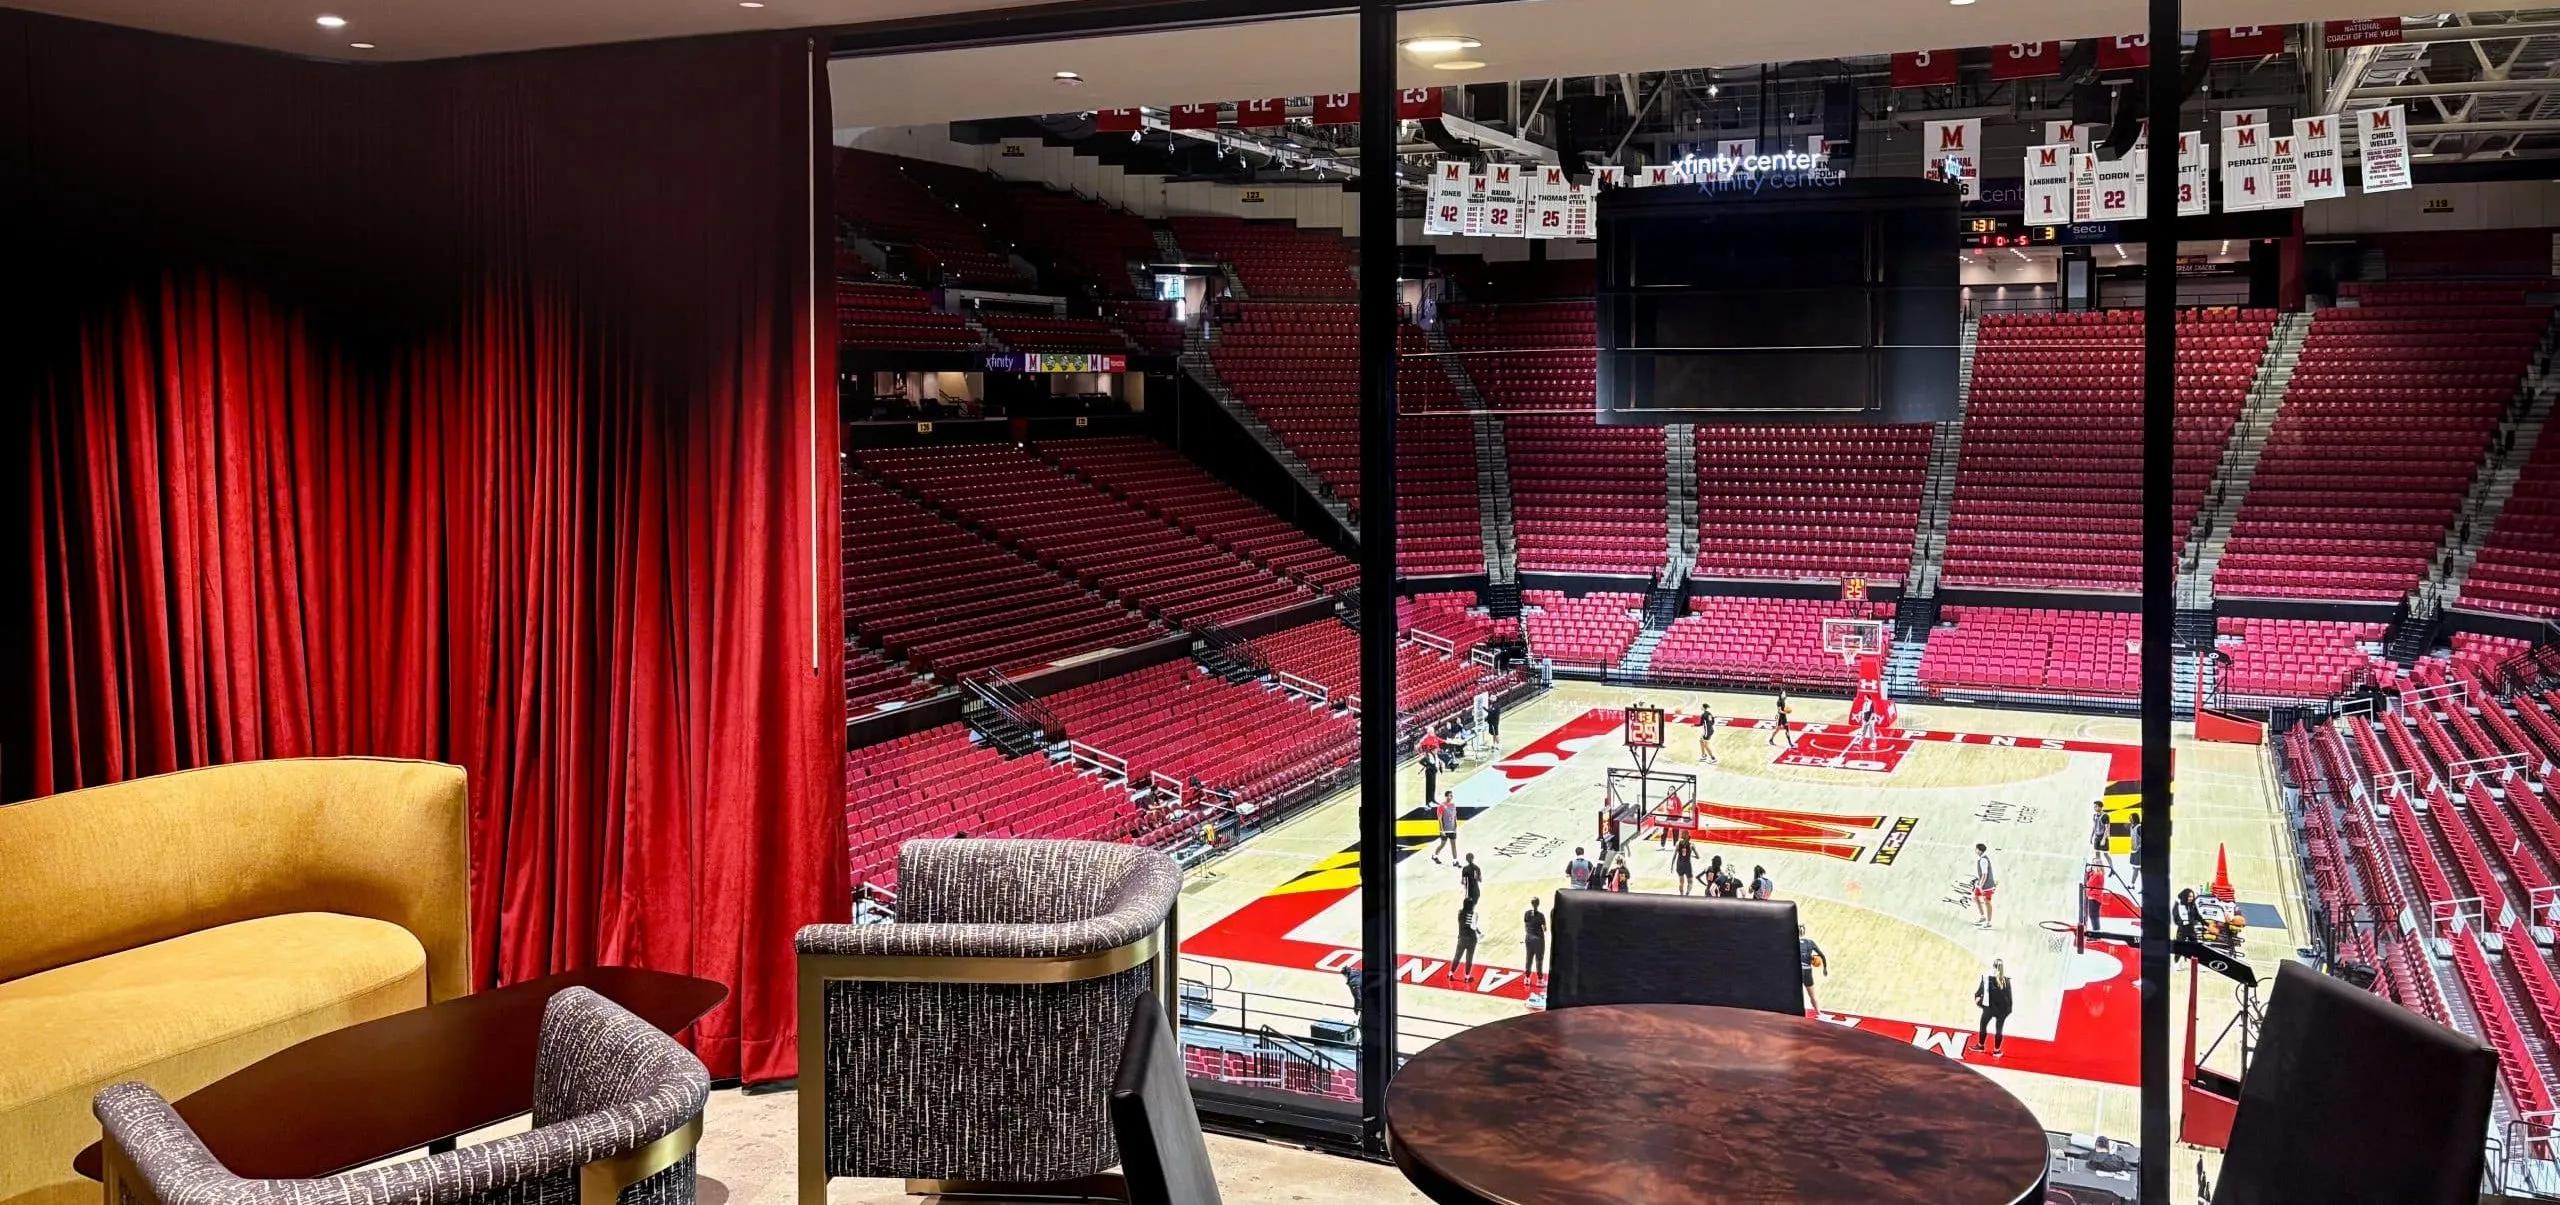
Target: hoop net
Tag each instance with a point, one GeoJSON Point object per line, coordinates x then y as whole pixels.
{"type": "Point", "coordinates": [1850, 639]}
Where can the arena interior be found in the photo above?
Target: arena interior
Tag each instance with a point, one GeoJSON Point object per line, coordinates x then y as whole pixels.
{"type": "Point", "coordinates": [1117, 598]}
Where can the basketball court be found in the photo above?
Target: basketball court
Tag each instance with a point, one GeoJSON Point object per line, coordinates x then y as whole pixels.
{"type": "Point", "coordinates": [1877, 853]}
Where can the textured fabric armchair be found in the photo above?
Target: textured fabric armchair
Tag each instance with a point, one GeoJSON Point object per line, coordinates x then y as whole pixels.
{"type": "Point", "coordinates": [973, 1044]}
{"type": "Point", "coordinates": [617, 1109]}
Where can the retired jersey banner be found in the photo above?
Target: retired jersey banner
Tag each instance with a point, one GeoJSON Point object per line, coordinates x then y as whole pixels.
{"type": "Point", "coordinates": [1661, 175]}
{"type": "Point", "coordinates": [2125, 52]}
{"type": "Point", "coordinates": [1610, 176]}
{"type": "Point", "coordinates": [1924, 69]}
{"type": "Point", "coordinates": [2284, 173]}
{"type": "Point", "coordinates": [1549, 182]}
{"type": "Point", "coordinates": [1952, 150]}
{"type": "Point", "coordinates": [1449, 180]}
{"type": "Point", "coordinates": [1337, 108]}
{"type": "Point", "coordinates": [1502, 182]}
{"type": "Point", "coordinates": [2048, 183]}
{"type": "Point", "coordinates": [2195, 175]}
{"type": "Point", "coordinates": [2248, 42]}
{"type": "Point", "coordinates": [1418, 104]}
{"type": "Point", "coordinates": [1729, 153]}
{"type": "Point", "coordinates": [2383, 139]}
{"type": "Point", "coordinates": [2026, 60]}
{"type": "Point", "coordinates": [2115, 196]}
{"type": "Point", "coordinates": [1496, 219]}
{"type": "Point", "coordinates": [2071, 132]}
{"type": "Point", "coordinates": [1442, 216]}
{"type": "Point", "coordinates": [2315, 145]}
{"type": "Point", "coordinates": [1118, 121]}
{"type": "Point", "coordinates": [1263, 114]}
{"type": "Point", "coordinates": [1192, 117]}
{"type": "Point", "coordinates": [2244, 160]}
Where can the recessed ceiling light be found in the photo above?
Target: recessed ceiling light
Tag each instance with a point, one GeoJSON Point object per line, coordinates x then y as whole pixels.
{"type": "Point", "coordinates": [1068, 77]}
{"type": "Point", "coordinates": [1458, 64]}
{"type": "Point", "coordinates": [1959, 3]}
{"type": "Point", "coordinates": [1440, 44]}
{"type": "Point", "coordinates": [328, 21]}
{"type": "Point", "coordinates": [359, 45]}
{"type": "Point", "coordinates": [751, 3]}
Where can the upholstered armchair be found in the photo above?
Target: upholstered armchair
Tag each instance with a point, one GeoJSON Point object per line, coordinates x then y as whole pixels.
{"type": "Point", "coordinates": [971, 1046]}
{"type": "Point", "coordinates": [617, 1109]}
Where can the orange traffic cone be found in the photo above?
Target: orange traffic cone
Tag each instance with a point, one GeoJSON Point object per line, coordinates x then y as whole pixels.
{"type": "Point", "coordinates": [2222, 875]}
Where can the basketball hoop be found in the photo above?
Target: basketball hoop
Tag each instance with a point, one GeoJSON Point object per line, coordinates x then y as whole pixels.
{"type": "Point", "coordinates": [1644, 733]}
{"type": "Point", "coordinates": [1853, 638]}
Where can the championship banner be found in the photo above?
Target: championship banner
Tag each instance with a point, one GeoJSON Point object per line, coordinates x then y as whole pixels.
{"type": "Point", "coordinates": [2026, 60]}
{"type": "Point", "coordinates": [2071, 132]}
{"type": "Point", "coordinates": [2195, 175]}
{"type": "Point", "coordinates": [1192, 117]}
{"type": "Point", "coordinates": [2284, 173]}
{"type": "Point", "coordinates": [2383, 139]}
{"type": "Point", "coordinates": [1118, 121]}
{"type": "Point", "coordinates": [1263, 114]}
{"type": "Point", "coordinates": [1952, 150]}
{"type": "Point", "coordinates": [1502, 182]}
{"type": "Point", "coordinates": [2140, 157]}
{"type": "Point", "coordinates": [1337, 108]}
{"type": "Point", "coordinates": [2113, 199]}
{"type": "Point", "coordinates": [2244, 160]}
{"type": "Point", "coordinates": [1027, 361]}
{"type": "Point", "coordinates": [2048, 184]}
{"type": "Point", "coordinates": [2371, 31]}
{"type": "Point", "coordinates": [2248, 42]}
{"type": "Point", "coordinates": [1418, 104]}
{"type": "Point", "coordinates": [1924, 69]}
{"type": "Point", "coordinates": [2315, 145]}
{"type": "Point", "coordinates": [2084, 186]}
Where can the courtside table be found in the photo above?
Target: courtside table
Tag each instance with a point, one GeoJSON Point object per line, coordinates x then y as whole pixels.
{"type": "Point", "coordinates": [1651, 1104]}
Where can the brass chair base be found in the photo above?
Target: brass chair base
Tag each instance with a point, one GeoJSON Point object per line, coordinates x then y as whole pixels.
{"type": "Point", "coordinates": [1103, 1186]}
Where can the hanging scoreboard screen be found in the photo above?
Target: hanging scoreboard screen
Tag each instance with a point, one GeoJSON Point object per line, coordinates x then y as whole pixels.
{"type": "Point", "coordinates": [1826, 302]}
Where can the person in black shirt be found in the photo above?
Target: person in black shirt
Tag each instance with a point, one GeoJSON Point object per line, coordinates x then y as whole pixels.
{"type": "Point", "coordinates": [1471, 876]}
{"type": "Point", "coordinates": [1462, 964]}
{"type": "Point", "coordinates": [1533, 935]}
{"type": "Point", "coordinates": [1808, 956]}
{"type": "Point", "coordinates": [1786, 726]}
{"type": "Point", "coordinates": [1994, 997]}
{"type": "Point", "coordinates": [1713, 880]}
{"type": "Point", "coordinates": [1684, 863]}
{"type": "Point", "coordinates": [2185, 916]}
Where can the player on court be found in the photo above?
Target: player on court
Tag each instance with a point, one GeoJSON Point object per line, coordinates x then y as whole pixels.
{"type": "Point", "coordinates": [1809, 955]}
{"type": "Point", "coordinates": [1707, 734]}
{"type": "Point", "coordinates": [1786, 725]}
{"type": "Point", "coordinates": [1448, 827]}
{"type": "Point", "coordinates": [1984, 883]}
{"type": "Point", "coordinates": [1867, 718]}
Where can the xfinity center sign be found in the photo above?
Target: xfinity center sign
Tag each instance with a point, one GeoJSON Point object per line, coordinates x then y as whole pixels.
{"type": "Point", "coordinates": [1747, 173]}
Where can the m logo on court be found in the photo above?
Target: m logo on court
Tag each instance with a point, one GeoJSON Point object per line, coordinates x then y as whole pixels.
{"type": "Point", "coordinates": [1824, 833]}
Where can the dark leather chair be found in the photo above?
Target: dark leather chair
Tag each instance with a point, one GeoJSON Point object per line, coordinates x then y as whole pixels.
{"type": "Point", "coordinates": [1612, 948]}
{"type": "Point", "coordinates": [1162, 1156]}
{"type": "Point", "coordinates": [2352, 1100]}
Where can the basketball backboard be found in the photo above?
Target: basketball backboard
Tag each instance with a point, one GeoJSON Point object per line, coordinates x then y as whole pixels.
{"type": "Point", "coordinates": [1850, 639]}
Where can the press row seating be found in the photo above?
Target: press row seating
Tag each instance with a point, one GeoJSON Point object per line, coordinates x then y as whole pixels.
{"type": "Point", "coordinates": [2034, 650]}
{"type": "Point", "coordinates": [2382, 429]}
{"type": "Point", "coordinates": [1759, 641]}
{"type": "Point", "coordinates": [948, 601]}
{"type": "Point", "coordinates": [1160, 480]}
{"type": "Point", "coordinates": [1593, 630]}
{"type": "Point", "coordinates": [2518, 570]}
{"type": "Point", "coordinates": [1107, 544]}
{"type": "Point", "coordinates": [2048, 490]}
{"type": "Point", "coordinates": [1809, 502]}
{"type": "Point", "coordinates": [939, 782]}
{"type": "Point", "coordinates": [1274, 259]}
{"type": "Point", "coordinates": [1587, 498]}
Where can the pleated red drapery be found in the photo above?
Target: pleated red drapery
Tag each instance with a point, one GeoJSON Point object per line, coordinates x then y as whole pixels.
{"type": "Point", "coordinates": [530, 470]}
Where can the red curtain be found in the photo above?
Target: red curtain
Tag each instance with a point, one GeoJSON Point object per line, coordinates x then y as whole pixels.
{"type": "Point", "coordinates": [530, 469]}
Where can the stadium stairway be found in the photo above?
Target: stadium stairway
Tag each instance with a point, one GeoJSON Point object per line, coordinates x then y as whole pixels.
{"type": "Point", "coordinates": [1437, 338]}
{"type": "Point", "coordinates": [1938, 494]}
{"type": "Point", "coordinates": [2240, 460]}
{"type": "Point", "coordinates": [1203, 370]}
{"type": "Point", "coordinates": [1638, 663]}
{"type": "Point", "coordinates": [2510, 449]}
{"type": "Point", "coordinates": [1902, 661]}
{"type": "Point", "coordinates": [1493, 505]}
{"type": "Point", "coordinates": [1680, 497]}
{"type": "Point", "coordinates": [1167, 246]}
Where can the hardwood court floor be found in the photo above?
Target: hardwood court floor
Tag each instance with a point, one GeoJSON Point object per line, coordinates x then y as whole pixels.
{"type": "Point", "coordinates": [1277, 918]}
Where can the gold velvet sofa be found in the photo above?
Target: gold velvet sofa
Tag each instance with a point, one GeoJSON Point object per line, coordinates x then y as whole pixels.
{"type": "Point", "coordinates": [175, 929]}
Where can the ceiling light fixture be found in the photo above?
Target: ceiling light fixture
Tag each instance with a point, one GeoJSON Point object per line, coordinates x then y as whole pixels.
{"type": "Point", "coordinates": [1068, 77]}
{"type": "Point", "coordinates": [329, 21]}
{"type": "Point", "coordinates": [1458, 65]}
{"type": "Point", "coordinates": [359, 45]}
{"type": "Point", "coordinates": [1712, 90]}
{"type": "Point", "coordinates": [1440, 44]}
{"type": "Point", "coordinates": [751, 3]}
{"type": "Point", "coordinates": [1959, 3]}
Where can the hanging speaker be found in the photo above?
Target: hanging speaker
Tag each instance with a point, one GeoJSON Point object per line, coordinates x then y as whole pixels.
{"type": "Point", "coordinates": [1840, 114]}
{"type": "Point", "coordinates": [1582, 129]}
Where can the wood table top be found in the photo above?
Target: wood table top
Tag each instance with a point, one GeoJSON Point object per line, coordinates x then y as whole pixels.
{"type": "Point", "coordinates": [1638, 1104]}
{"type": "Point", "coordinates": [361, 1094]}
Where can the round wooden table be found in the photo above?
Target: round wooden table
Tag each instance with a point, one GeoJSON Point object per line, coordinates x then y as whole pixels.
{"type": "Point", "coordinates": [1635, 1104]}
